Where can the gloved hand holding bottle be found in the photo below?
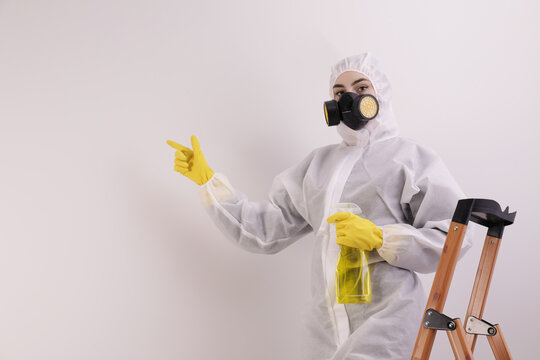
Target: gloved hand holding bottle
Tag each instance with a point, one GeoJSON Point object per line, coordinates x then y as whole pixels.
{"type": "Point", "coordinates": [191, 163]}
{"type": "Point", "coordinates": [356, 232]}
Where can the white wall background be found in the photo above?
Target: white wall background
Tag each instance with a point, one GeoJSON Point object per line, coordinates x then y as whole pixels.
{"type": "Point", "coordinates": [105, 251]}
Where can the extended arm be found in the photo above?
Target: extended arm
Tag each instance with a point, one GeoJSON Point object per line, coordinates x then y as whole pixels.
{"type": "Point", "coordinates": [261, 227]}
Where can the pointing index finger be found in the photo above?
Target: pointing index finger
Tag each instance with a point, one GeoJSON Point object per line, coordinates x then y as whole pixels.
{"type": "Point", "coordinates": [177, 146]}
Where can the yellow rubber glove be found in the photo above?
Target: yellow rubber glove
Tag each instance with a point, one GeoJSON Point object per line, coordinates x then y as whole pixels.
{"type": "Point", "coordinates": [356, 232]}
{"type": "Point", "coordinates": [191, 163]}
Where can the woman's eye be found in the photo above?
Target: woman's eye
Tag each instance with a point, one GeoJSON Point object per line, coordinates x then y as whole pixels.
{"type": "Point", "coordinates": [361, 88]}
{"type": "Point", "coordinates": [338, 94]}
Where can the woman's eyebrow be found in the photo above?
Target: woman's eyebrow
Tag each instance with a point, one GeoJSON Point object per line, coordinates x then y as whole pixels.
{"type": "Point", "coordinates": [354, 83]}
{"type": "Point", "coordinates": [357, 81]}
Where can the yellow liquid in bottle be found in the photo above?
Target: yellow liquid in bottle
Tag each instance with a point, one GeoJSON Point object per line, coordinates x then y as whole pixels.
{"type": "Point", "coordinates": [353, 280]}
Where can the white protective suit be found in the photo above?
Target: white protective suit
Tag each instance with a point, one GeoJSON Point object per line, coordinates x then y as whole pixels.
{"type": "Point", "coordinates": [401, 186]}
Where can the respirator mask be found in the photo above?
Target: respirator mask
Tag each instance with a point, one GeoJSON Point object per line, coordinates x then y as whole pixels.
{"type": "Point", "coordinates": [354, 110]}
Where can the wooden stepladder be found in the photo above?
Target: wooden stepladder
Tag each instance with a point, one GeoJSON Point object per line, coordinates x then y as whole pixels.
{"type": "Point", "coordinates": [463, 338]}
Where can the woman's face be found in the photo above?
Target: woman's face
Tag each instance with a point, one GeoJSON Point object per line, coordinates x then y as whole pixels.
{"type": "Point", "coordinates": [352, 81]}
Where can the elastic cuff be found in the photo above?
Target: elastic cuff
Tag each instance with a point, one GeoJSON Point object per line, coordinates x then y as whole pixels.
{"type": "Point", "coordinates": [213, 176]}
{"type": "Point", "coordinates": [386, 251]}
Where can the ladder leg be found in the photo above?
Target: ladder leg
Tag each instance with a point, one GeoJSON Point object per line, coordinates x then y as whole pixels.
{"type": "Point", "coordinates": [424, 343]}
{"type": "Point", "coordinates": [459, 344]}
{"type": "Point", "coordinates": [498, 345]}
{"type": "Point", "coordinates": [482, 282]}
{"type": "Point", "coordinates": [440, 287]}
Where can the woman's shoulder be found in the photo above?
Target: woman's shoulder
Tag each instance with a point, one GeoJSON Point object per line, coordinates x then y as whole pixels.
{"type": "Point", "coordinates": [405, 151]}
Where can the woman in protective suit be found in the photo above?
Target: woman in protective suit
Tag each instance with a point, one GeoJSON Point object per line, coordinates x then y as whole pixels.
{"type": "Point", "coordinates": [407, 198]}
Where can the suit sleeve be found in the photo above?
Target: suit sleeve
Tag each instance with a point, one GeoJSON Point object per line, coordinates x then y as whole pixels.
{"type": "Point", "coordinates": [260, 227]}
{"type": "Point", "coordinates": [429, 198]}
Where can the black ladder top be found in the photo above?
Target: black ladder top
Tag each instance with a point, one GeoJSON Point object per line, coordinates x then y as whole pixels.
{"type": "Point", "coordinates": [484, 212]}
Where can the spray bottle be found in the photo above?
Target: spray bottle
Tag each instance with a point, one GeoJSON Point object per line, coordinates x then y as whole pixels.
{"type": "Point", "coordinates": [353, 280]}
